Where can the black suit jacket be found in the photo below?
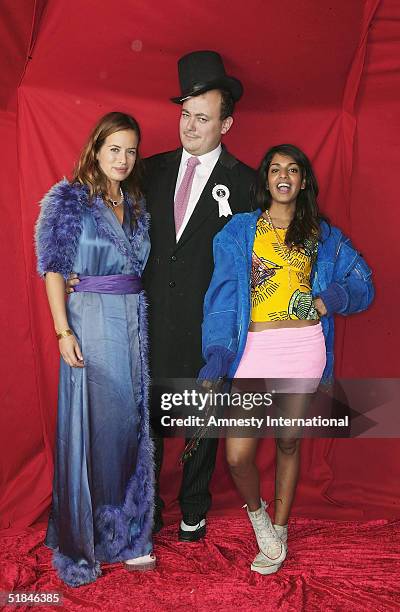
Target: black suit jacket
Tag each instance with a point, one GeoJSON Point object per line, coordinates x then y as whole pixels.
{"type": "Point", "coordinates": [177, 275]}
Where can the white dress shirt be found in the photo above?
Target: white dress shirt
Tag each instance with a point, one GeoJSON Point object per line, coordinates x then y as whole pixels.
{"type": "Point", "coordinates": [201, 176]}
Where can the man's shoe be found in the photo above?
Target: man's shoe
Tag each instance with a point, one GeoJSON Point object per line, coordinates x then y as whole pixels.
{"type": "Point", "coordinates": [192, 528]}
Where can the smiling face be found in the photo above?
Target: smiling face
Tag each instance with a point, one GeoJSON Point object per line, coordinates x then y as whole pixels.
{"type": "Point", "coordinates": [200, 125]}
{"type": "Point", "coordinates": [117, 155]}
{"type": "Point", "coordinates": [284, 180]}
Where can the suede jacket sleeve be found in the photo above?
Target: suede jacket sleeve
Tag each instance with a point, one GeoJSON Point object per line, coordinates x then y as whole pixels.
{"type": "Point", "coordinates": [220, 322]}
{"type": "Point", "coordinates": [351, 289]}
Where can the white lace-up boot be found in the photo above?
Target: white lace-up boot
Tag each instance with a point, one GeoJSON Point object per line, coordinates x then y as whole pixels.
{"type": "Point", "coordinates": [272, 548]}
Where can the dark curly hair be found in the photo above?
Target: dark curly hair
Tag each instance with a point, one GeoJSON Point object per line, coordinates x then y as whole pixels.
{"type": "Point", "coordinates": [306, 221]}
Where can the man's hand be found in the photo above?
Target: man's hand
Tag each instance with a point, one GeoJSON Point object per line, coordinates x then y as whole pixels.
{"type": "Point", "coordinates": [71, 282]}
{"type": "Point", "coordinates": [211, 385]}
{"type": "Point", "coordinates": [320, 307]}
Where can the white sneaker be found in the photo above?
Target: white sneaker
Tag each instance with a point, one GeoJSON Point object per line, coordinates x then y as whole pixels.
{"type": "Point", "coordinates": [261, 563]}
{"type": "Point", "coordinates": [269, 543]}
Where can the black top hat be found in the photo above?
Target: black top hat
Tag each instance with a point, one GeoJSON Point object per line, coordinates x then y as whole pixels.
{"type": "Point", "coordinates": [201, 71]}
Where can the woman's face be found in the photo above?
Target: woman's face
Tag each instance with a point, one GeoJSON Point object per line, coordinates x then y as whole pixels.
{"type": "Point", "coordinates": [117, 155]}
{"type": "Point", "coordinates": [284, 179]}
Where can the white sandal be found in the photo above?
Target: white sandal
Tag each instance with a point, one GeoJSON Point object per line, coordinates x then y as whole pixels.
{"type": "Point", "coordinates": [141, 564]}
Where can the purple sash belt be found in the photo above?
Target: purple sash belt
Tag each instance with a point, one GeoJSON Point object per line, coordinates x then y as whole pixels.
{"type": "Point", "coordinates": [117, 284]}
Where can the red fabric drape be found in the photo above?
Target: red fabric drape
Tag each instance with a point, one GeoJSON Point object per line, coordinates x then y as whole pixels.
{"type": "Point", "coordinates": [25, 474]}
{"type": "Point", "coordinates": [335, 566]}
{"type": "Point", "coordinates": [323, 76]}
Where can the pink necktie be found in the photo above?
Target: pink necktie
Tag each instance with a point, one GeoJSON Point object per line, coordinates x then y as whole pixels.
{"type": "Point", "coordinates": [183, 193]}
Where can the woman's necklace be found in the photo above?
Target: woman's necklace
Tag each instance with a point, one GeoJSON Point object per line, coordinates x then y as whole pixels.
{"type": "Point", "coordinates": [273, 226]}
{"type": "Point", "coordinates": [115, 203]}
{"type": "Point", "coordinates": [283, 245]}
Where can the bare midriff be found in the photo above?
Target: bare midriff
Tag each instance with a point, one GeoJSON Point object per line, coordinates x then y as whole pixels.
{"type": "Point", "coordinates": [263, 325]}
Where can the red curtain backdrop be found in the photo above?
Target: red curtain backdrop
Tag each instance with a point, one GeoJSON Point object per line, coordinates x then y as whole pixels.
{"type": "Point", "coordinates": [324, 76]}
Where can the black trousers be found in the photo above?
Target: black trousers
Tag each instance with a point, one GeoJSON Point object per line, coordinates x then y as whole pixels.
{"type": "Point", "coordinates": [175, 372]}
{"type": "Point", "coordinates": [194, 496]}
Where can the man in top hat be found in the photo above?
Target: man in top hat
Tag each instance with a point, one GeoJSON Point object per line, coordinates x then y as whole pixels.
{"type": "Point", "coordinates": [189, 192]}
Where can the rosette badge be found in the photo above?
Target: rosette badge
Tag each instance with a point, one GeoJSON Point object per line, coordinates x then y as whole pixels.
{"type": "Point", "coordinates": [221, 194]}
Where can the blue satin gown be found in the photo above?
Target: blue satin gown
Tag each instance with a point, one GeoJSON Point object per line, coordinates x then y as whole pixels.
{"type": "Point", "coordinates": [103, 482]}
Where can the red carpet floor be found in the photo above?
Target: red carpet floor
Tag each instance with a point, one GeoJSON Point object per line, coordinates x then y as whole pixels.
{"type": "Point", "coordinates": [331, 566]}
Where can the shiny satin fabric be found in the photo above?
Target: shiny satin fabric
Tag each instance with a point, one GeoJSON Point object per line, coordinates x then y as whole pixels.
{"type": "Point", "coordinates": [116, 284]}
{"type": "Point", "coordinates": [98, 405]}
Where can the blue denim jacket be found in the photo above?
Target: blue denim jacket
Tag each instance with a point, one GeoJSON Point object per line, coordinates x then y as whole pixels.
{"type": "Point", "coordinates": [339, 276]}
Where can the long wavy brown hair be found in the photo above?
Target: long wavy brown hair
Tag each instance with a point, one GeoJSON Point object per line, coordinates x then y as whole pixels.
{"type": "Point", "coordinates": [87, 170]}
{"type": "Point", "coordinates": [306, 221]}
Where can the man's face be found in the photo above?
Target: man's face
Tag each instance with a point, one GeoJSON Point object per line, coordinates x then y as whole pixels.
{"type": "Point", "coordinates": [200, 125]}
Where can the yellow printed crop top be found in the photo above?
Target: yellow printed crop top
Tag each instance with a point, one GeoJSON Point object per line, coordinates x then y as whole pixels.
{"type": "Point", "coordinates": [280, 277]}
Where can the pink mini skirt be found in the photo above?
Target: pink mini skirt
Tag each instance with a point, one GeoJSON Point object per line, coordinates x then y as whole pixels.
{"type": "Point", "coordinates": [296, 354]}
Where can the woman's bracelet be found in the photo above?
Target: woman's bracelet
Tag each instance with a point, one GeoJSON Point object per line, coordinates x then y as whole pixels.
{"type": "Point", "coordinates": [64, 334]}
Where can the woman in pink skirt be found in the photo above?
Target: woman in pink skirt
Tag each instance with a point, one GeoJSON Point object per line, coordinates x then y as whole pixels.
{"type": "Point", "coordinates": [280, 274]}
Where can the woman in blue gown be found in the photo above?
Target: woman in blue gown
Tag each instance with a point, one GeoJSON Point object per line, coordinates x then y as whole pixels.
{"type": "Point", "coordinates": [96, 226]}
